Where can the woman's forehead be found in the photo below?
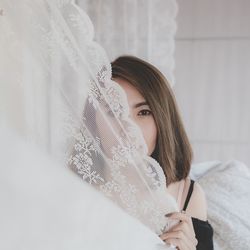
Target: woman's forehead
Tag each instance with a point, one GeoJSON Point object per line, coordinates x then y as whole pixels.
{"type": "Point", "coordinates": [134, 97]}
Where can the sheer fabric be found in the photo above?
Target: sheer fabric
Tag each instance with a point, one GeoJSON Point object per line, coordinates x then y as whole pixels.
{"type": "Point", "coordinates": [142, 28]}
{"type": "Point", "coordinates": [45, 206]}
{"type": "Point", "coordinates": [58, 93]}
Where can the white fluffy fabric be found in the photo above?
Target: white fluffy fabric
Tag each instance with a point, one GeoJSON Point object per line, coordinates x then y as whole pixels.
{"type": "Point", "coordinates": [47, 207]}
{"type": "Point", "coordinates": [228, 196]}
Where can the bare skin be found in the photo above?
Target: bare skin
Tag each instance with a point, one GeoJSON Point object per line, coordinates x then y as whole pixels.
{"type": "Point", "coordinates": [182, 235]}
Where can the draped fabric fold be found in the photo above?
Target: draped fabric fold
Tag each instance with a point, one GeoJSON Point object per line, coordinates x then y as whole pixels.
{"type": "Point", "coordinates": [57, 92]}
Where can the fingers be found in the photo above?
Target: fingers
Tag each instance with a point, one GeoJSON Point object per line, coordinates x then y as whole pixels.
{"type": "Point", "coordinates": [180, 239]}
{"type": "Point", "coordinates": [177, 243]}
{"type": "Point", "coordinates": [181, 217]}
{"type": "Point", "coordinates": [185, 228]}
{"type": "Point", "coordinates": [181, 235]}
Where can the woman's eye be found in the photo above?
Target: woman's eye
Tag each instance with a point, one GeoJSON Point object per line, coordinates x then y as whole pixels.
{"type": "Point", "coordinates": [144, 112]}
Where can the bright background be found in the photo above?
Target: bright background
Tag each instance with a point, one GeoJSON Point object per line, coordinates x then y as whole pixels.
{"type": "Point", "coordinates": [211, 55]}
{"type": "Point", "coordinates": [213, 77]}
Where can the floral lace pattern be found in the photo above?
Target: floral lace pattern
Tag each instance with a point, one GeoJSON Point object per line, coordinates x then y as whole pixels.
{"type": "Point", "coordinates": [91, 119]}
{"type": "Point", "coordinates": [116, 163]}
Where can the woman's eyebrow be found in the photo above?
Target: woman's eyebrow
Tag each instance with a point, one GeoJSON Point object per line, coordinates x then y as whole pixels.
{"type": "Point", "coordinates": [140, 104]}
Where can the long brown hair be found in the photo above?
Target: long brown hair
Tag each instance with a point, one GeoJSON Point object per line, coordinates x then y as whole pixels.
{"type": "Point", "coordinates": [173, 150]}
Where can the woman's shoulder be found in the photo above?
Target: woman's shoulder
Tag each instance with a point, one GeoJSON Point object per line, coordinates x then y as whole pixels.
{"type": "Point", "coordinates": [197, 205]}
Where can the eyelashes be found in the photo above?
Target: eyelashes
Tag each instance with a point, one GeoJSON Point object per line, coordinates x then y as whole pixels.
{"type": "Point", "coordinates": [142, 113]}
{"type": "Point", "coordinates": [145, 112]}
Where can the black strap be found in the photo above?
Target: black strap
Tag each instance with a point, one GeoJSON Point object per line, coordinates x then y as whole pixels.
{"type": "Point", "coordinates": [190, 191]}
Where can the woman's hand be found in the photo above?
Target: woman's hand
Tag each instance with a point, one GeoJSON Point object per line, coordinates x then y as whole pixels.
{"type": "Point", "coordinates": [181, 235]}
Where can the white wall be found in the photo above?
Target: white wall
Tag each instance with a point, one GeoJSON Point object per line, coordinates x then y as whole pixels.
{"type": "Point", "coordinates": [213, 77]}
{"type": "Point", "coordinates": [141, 28]}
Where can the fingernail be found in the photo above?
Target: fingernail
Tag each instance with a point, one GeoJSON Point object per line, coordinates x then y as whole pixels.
{"type": "Point", "coordinates": [168, 215]}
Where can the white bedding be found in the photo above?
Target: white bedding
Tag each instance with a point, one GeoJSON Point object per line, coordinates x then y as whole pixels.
{"type": "Point", "coordinates": [227, 188]}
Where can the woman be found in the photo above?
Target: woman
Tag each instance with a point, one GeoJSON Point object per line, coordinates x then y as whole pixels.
{"type": "Point", "coordinates": [153, 108]}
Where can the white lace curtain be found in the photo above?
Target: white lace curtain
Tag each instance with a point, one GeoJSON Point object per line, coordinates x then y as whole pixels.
{"type": "Point", "coordinates": [144, 28]}
{"type": "Point", "coordinates": [65, 102]}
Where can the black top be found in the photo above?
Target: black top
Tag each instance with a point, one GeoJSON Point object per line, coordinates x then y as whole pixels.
{"type": "Point", "coordinates": [203, 230]}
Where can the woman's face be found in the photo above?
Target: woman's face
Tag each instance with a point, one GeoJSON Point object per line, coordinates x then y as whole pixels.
{"type": "Point", "coordinates": [140, 113]}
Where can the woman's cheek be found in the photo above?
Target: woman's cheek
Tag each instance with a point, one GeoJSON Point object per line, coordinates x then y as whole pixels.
{"type": "Point", "coordinates": [149, 131]}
